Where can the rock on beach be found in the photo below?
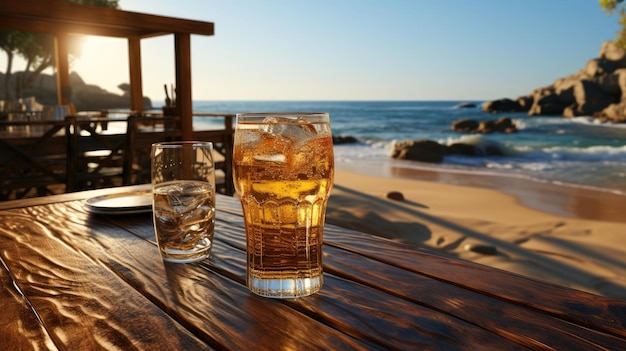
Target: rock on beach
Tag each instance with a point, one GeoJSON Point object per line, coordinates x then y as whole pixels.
{"type": "Point", "coordinates": [419, 150]}
{"type": "Point", "coordinates": [395, 195]}
{"type": "Point", "coordinates": [431, 151]}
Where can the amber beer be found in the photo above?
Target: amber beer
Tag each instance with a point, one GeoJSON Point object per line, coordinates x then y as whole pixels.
{"type": "Point", "coordinates": [283, 170]}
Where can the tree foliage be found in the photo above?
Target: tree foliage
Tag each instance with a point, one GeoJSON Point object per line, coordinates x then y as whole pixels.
{"type": "Point", "coordinates": [616, 6]}
{"type": "Point", "coordinates": [37, 49]}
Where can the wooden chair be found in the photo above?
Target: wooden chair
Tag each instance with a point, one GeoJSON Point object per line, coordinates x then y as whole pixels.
{"type": "Point", "coordinates": [95, 158]}
{"type": "Point", "coordinates": [143, 131]}
{"type": "Point", "coordinates": [32, 158]}
{"type": "Point", "coordinates": [223, 145]}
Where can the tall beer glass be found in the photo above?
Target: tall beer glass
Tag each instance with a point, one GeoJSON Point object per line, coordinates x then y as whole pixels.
{"type": "Point", "coordinates": [283, 169]}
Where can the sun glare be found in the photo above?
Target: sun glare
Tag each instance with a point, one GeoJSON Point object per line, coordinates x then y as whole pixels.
{"type": "Point", "coordinates": [103, 62]}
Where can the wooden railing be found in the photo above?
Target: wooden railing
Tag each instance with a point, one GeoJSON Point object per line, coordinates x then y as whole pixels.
{"type": "Point", "coordinates": [47, 157]}
{"type": "Point", "coordinates": [32, 158]}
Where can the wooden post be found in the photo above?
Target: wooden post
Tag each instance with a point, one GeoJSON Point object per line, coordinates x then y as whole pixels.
{"type": "Point", "coordinates": [134, 66]}
{"type": "Point", "coordinates": [184, 109]}
{"type": "Point", "coordinates": [64, 89]}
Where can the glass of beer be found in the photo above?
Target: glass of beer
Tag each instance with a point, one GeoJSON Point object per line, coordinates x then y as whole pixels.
{"type": "Point", "coordinates": [183, 188]}
{"type": "Point", "coordinates": [283, 169]}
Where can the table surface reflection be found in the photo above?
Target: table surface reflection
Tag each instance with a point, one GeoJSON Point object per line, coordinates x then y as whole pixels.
{"type": "Point", "coordinates": [72, 280]}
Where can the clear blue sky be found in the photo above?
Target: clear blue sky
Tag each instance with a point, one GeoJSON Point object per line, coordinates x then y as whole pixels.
{"type": "Point", "coordinates": [363, 49]}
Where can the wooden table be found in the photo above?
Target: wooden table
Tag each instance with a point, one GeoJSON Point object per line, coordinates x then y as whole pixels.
{"type": "Point", "coordinates": [71, 280]}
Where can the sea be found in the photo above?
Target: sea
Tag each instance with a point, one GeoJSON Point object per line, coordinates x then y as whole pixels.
{"type": "Point", "coordinates": [576, 152]}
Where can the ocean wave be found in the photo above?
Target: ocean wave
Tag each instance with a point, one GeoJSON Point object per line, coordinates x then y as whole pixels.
{"type": "Point", "coordinates": [594, 153]}
{"type": "Point", "coordinates": [431, 105]}
{"type": "Point", "coordinates": [586, 120]}
{"type": "Point", "coordinates": [543, 121]}
{"type": "Point", "coordinates": [481, 143]}
{"type": "Point", "coordinates": [519, 123]}
{"type": "Point", "coordinates": [517, 152]}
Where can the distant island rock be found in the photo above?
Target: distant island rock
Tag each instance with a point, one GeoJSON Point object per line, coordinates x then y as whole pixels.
{"type": "Point", "coordinates": [597, 90]}
{"type": "Point", "coordinates": [85, 97]}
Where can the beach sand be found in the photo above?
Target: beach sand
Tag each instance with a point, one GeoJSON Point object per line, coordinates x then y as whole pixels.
{"type": "Point", "coordinates": [568, 236]}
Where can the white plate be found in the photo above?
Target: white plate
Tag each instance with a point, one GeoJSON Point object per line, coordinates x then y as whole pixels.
{"type": "Point", "coordinates": [123, 203]}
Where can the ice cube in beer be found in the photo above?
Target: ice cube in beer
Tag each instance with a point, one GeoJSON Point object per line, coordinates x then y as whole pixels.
{"type": "Point", "coordinates": [296, 129]}
{"type": "Point", "coordinates": [311, 156]}
{"type": "Point", "coordinates": [272, 148]}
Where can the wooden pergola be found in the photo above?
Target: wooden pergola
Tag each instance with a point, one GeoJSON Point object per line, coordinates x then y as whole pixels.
{"type": "Point", "coordinates": [61, 18]}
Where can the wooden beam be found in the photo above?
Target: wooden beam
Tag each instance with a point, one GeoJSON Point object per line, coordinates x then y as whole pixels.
{"type": "Point", "coordinates": [134, 66]}
{"type": "Point", "coordinates": [64, 16]}
{"type": "Point", "coordinates": [46, 26]}
{"type": "Point", "coordinates": [182, 47]}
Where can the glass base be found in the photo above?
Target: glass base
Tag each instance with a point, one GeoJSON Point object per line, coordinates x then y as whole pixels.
{"type": "Point", "coordinates": [185, 259]}
{"type": "Point", "coordinates": [285, 288]}
{"type": "Point", "coordinates": [186, 256]}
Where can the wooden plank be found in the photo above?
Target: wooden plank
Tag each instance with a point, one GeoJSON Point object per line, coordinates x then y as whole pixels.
{"type": "Point", "coordinates": [421, 327]}
{"type": "Point", "coordinates": [442, 302]}
{"type": "Point", "coordinates": [219, 311]}
{"type": "Point", "coordinates": [366, 313]}
{"type": "Point", "coordinates": [19, 326]}
{"type": "Point", "coordinates": [413, 326]}
{"type": "Point", "coordinates": [528, 327]}
{"type": "Point", "coordinates": [524, 325]}
{"type": "Point", "coordinates": [53, 199]}
{"type": "Point", "coordinates": [81, 303]}
{"type": "Point", "coordinates": [592, 311]}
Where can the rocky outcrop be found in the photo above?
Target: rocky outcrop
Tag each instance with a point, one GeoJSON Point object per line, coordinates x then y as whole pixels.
{"type": "Point", "coordinates": [431, 151]}
{"type": "Point", "coordinates": [503, 105]}
{"type": "Point", "coordinates": [501, 125]}
{"type": "Point", "coordinates": [598, 90]}
{"type": "Point", "coordinates": [85, 97]}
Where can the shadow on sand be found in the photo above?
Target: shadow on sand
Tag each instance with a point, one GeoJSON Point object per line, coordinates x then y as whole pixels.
{"type": "Point", "coordinates": [366, 213]}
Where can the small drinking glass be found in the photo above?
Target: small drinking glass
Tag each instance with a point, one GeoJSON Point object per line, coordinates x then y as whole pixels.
{"type": "Point", "coordinates": [183, 187]}
{"type": "Point", "coordinates": [283, 170]}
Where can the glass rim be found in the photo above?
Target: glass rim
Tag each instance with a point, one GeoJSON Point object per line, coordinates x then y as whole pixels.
{"type": "Point", "coordinates": [182, 143]}
{"type": "Point", "coordinates": [294, 115]}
